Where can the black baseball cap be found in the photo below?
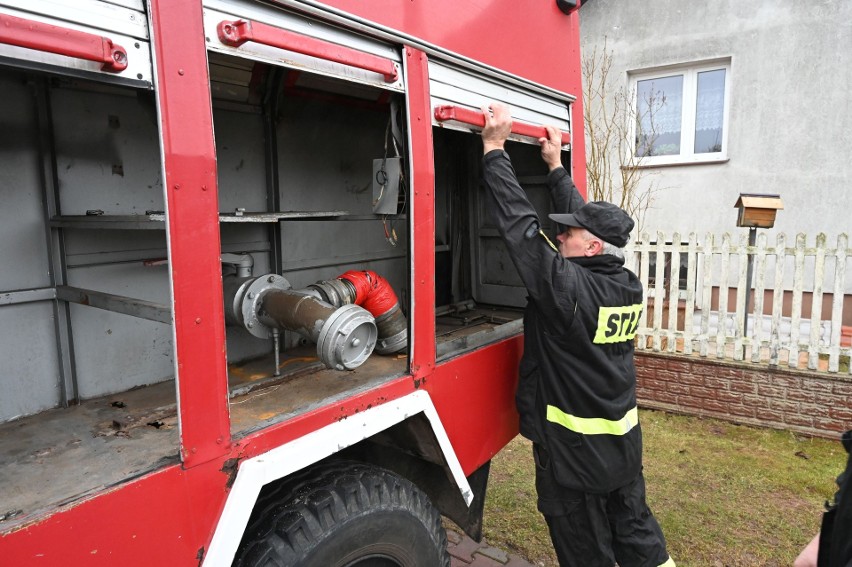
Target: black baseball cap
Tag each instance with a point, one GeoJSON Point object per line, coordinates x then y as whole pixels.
{"type": "Point", "coordinates": [608, 222]}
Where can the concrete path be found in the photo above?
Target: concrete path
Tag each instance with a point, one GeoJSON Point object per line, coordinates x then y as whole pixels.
{"type": "Point", "coordinates": [464, 552]}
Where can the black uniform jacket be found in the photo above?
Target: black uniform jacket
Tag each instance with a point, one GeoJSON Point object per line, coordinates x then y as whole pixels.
{"type": "Point", "coordinates": [577, 387]}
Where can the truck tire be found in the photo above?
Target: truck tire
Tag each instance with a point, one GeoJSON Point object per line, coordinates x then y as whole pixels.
{"type": "Point", "coordinates": [344, 514]}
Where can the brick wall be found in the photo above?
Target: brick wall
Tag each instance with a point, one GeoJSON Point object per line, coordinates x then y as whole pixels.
{"type": "Point", "coordinates": [812, 403]}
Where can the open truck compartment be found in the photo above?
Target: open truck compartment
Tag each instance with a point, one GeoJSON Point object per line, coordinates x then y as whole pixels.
{"type": "Point", "coordinates": [314, 182]}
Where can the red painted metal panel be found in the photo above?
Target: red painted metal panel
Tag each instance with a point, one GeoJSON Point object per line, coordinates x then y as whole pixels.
{"type": "Point", "coordinates": [574, 78]}
{"type": "Point", "coordinates": [63, 41]}
{"type": "Point", "coordinates": [475, 118]}
{"type": "Point", "coordinates": [537, 42]}
{"type": "Point", "coordinates": [193, 228]}
{"type": "Point", "coordinates": [423, 213]}
{"type": "Point", "coordinates": [475, 397]}
{"type": "Point", "coordinates": [165, 518]}
{"type": "Point", "coordinates": [238, 32]}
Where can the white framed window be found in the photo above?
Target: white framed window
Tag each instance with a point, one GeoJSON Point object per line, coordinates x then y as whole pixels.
{"type": "Point", "coordinates": [681, 113]}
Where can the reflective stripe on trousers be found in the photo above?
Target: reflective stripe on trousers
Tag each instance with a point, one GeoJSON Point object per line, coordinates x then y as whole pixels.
{"type": "Point", "coordinates": [594, 425]}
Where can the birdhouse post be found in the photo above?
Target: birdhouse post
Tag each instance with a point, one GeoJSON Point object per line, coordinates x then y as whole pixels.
{"type": "Point", "coordinates": [756, 210]}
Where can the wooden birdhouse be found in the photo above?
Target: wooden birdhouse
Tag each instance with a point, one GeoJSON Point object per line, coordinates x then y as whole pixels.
{"type": "Point", "coordinates": [757, 210]}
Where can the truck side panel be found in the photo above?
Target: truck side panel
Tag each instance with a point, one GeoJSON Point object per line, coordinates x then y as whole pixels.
{"type": "Point", "coordinates": [138, 202]}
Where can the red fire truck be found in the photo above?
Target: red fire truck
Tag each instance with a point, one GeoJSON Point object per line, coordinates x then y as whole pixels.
{"type": "Point", "coordinates": [252, 310]}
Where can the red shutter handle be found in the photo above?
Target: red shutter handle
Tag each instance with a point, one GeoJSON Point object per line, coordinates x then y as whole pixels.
{"type": "Point", "coordinates": [237, 32]}
{"type": "Point", "coordinates": [475, 118]}
{"type": "Point", "coordinates": [62, 41]}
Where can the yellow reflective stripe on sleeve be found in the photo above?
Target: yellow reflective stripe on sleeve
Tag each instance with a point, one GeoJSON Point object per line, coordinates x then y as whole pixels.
{"type": "Point", "coordinates": [593, 425]}
{"type": "Point", "coordinates": [669, 563]}
{"type": "Point", "coordinates": [552, 245]}
{"type": "Point", "coordinates": [617, 324]}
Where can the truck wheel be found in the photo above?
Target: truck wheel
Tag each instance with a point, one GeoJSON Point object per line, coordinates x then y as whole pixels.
{"type": "Point", "coordinates": [344, 514]}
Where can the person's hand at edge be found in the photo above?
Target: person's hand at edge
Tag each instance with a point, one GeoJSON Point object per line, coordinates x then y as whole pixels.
{"type": "Point", "coordinates": [808, 556]}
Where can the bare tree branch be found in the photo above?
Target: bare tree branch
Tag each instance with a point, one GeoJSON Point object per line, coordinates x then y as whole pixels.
{"type": "Point", "coordinates": [616, 131]}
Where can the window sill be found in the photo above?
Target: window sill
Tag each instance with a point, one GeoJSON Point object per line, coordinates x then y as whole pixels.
{"type": "Point", "coordinates": [678, 163]}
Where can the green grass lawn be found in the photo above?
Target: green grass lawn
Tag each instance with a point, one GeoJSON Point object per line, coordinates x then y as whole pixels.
{"type": "Point", "coordinates": [725, 495]}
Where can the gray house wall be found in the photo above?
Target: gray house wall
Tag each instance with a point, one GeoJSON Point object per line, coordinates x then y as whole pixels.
{"type": "Point", "coordinates": [790, 121]}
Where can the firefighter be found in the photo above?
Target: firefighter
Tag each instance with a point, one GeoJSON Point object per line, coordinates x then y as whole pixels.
{"type": "Point", "coordinates": [576, 393]}
{"type": "Point", "coordinates": [832, 546]}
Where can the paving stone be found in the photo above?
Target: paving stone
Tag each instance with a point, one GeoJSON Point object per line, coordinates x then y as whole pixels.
{"type": "Point", "coordinates": [483, 561]}
{"type": "Point", "coordinates": [463, 550]}
{"type": "Point", "coordinates": [497, 555]}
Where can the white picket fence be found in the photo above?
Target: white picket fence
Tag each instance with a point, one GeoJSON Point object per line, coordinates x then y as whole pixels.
{"type": "Point", "coordinates": [695, 317]}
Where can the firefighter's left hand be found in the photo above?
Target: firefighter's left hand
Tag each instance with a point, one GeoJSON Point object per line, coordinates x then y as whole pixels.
{"type": "Point", "coordinates": [498, 125]}
{"type": "Point", "coordinates": [551, 147]}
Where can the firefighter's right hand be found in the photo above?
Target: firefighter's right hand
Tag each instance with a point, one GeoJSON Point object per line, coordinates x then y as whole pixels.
{"type": "Point", "coordinates": [551, 147]}
{"type": "Point", "coordinates": [498, 125]}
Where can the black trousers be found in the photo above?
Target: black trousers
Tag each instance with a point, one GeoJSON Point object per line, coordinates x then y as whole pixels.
{"type": "Point", "coordinates": [598, 530]}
